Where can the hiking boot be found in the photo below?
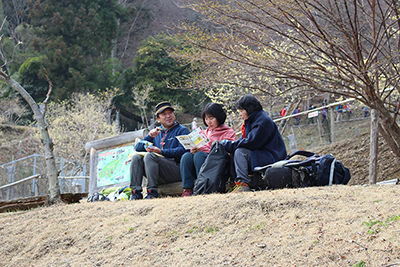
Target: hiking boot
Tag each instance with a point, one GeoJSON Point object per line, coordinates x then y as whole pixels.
{"type": "Point", "coordinates": [151, 194]}
{"type": "Point", "coordinates": [187, 192]}
{"type": "Point", "coordinates": [230, 187]}
{"type": "Point", "coordinates": [136, 195]}
{"type": "Point", "coordinates": [240, 187]}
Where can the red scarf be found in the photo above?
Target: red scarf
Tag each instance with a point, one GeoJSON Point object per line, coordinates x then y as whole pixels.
{"type": "Point", "coordinates": [243, 130]}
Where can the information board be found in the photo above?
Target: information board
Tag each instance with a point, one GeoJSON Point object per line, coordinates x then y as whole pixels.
{"type": "Point", "coordinates": [113, 166]}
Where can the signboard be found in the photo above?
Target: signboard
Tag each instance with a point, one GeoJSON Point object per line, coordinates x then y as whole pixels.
{"type": "Point", "coordinates": [113, 166]}
{"type": "Point", "coordinates": [313, 114]}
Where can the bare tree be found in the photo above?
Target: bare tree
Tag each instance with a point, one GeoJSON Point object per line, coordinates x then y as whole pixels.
{"type": "Point", "coordinates": [348, 48]}
{"type": "Point", "coordinates": [51, 168]}
{"type": "Point", "coordinates": [39, 116]}
{"type": "Point", "coordinates": [71, 129]}
{"type": "Point", "coordinates": [141, 99]}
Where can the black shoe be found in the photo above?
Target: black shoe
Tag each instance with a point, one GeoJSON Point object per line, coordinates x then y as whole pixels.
{"type": "Point", "coordinates": [151, 194]}
{"type": "Point", "coordinates": [136, 195]}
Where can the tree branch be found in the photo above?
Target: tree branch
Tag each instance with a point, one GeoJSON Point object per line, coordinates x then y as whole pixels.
{"type": "Point", "coordinates": [48, 92]}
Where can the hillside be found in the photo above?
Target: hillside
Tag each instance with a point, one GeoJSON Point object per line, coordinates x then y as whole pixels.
{"type": "Point", "coordinates": [16, 142]}
{"type": "Point", "coordinates": [328, 226]}
{"type": "Point", "coordinates": [354, 154]}
{"type": "Point", "coordinates": [153, 17]}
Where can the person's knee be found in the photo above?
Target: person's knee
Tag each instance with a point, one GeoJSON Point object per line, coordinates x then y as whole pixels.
{"type": "Point", "coordinates": [150, 157]}
{"type": "Point", "coordinates": [187, 158]}
{"type": "Point", "coordinates": [241, 152]}
{"type": "Point", "coordinates": [199, 156]}
{"type": "Point", "coordinates": [198, 159]}
{"type": "Point", "coordinates": [136, 159]}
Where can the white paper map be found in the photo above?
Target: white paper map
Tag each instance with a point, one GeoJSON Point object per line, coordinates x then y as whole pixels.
{"type": "Point", "coordinates": [197, 138]}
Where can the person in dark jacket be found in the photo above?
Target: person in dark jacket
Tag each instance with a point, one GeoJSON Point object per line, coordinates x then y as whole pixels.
{"type": "Point", "coordinates": [260, 144]}
{"type": "Point", "coordinates": [161, 164]}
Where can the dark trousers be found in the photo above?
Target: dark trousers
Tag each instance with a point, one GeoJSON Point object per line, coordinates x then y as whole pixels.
{"type": "Point", "coordinates": [157, 170]}
{"type": "Point", "coordinates": [241, 165]}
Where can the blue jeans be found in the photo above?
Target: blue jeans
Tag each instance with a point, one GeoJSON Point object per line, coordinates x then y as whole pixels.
{"type": "Point", "coordinates": [190, 167]}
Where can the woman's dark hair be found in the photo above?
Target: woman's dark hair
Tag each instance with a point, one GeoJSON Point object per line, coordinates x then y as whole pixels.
{"type": "Point", "coordinates": [249, 103]}
{"type": "Point", "coordinates": [215, 110]}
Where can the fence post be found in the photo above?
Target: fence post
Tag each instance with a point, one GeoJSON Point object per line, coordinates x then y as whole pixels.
{"type": "Point", "coordinates": [61, 181]}
{"type": "Point", "coordinates": [319, 127]}
{"type": "Point", "coordinates": [11, 179]}
{"type": "Point", "coordinates": [83, 181]}
{"type": "Point", "coordinates": [332, 117]}
{"type": "Point", "coordinates": [92, 170]}
{"type": "Point", "coordinates": [34, 185]}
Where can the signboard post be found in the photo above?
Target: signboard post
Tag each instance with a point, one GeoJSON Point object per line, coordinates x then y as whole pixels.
{"type": "Point", "coordinates": [110, 160]}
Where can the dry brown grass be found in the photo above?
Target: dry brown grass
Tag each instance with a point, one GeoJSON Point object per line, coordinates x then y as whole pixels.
{"type": "Point", "coordinates": [325, 226]}
{"type": "Point", "coordinates": [290, 227]}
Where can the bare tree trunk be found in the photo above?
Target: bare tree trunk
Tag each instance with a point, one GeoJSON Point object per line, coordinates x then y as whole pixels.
{"type": "Point", "coordinates": [51, 168]}
{"type": "Point", "coordinates": [373, 155]}
{"type": "Point", "coordinates": [390, 130]}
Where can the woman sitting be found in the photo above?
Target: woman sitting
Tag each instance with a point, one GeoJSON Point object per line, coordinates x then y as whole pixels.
{"type": "Point", "coordinates": [214, 118]}
{"type": "Point", "coordinates": [260, 144]}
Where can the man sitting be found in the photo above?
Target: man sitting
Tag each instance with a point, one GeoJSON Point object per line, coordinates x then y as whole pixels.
{"type": "Point", "coordinates": [161, 164]}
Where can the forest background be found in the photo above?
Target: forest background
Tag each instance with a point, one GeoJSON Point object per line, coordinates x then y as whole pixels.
{"type": "Point", "coordinates": [98, 55]}
{"type": "Point", "coordinates": [90, 47]}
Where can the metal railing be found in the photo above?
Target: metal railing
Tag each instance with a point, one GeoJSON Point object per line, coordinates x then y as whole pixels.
{"type": "Point", "coordinates": [24, 177]}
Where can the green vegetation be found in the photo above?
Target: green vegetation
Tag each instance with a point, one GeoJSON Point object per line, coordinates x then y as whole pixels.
{"type": "Point", "coordinates": [211, 230]}
{"type": "Point", "coordinates": [155, 67]}
{"type": "Point", "coordinates": [385, 223]}
{"type": "Point", "coordinates": [173, 233]}
{"type": "Point", "coordinates": [359, 264]}
{"type": "Point", "coordinates": [79, 44]}
{"type": "Point", "coordinates": [74, 39]}
{"type": "Point", "coordinates": [257, 227]}
{"type": "Point", "coordinates": [192, 230]}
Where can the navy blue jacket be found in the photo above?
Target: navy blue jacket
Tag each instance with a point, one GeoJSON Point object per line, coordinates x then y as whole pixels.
{"type": "Point", "coordinates": [166, 141]}
{"type": "Point", "coordinates": [262, 138]}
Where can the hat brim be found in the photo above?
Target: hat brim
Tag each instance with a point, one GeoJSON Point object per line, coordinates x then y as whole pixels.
{"type": "Point", "coordinates": [160, 110]}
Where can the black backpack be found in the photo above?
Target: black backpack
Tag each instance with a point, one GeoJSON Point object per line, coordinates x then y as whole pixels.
{"type": "Point", "coordinates": [313, 171]}
{"type": "Point", "coordinates": [214, 172]}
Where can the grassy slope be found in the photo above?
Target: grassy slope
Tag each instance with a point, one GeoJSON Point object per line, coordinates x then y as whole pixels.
{"type": "Point", "coordinates": [329, 226]}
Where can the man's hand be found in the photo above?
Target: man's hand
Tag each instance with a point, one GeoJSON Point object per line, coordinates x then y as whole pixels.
{"type": "Point", "coordinates": [153, 149]}
{"type": "Point", "coordinates": [153, 133]}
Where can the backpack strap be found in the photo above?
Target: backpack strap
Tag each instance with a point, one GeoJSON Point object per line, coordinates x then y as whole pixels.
{"type": "Point", "coordinates": [290, 163]}
{"type": "Point", "coordinates": [278, 164]}
{"type": "Point", "coordinates": [332, 171]}
{"type": "Point", "coordinates": [122, 189]}
{"type": "Point", "coordinates": [307, 154]}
